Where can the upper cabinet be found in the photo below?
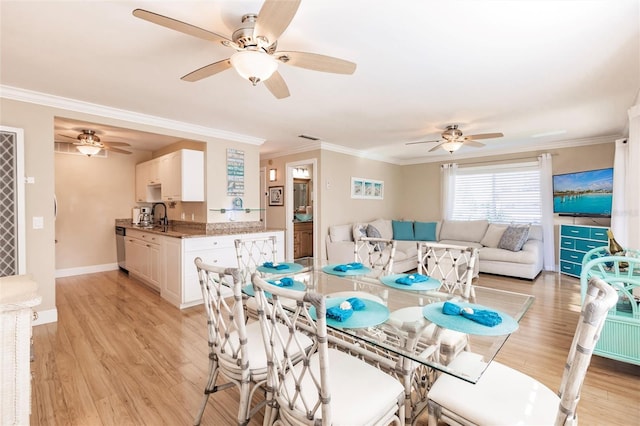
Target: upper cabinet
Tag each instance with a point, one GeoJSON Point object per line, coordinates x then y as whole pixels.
{"type": "Point", "coordinates": [177, 176]}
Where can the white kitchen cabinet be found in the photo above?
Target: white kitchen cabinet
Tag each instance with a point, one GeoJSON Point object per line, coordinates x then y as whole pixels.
{"type": "Point", "coordinates": [216, 250]}
{"type": "Point", "coordinates": [182, 175]}
{"type": "Point", "coordinates": [171, 255]}
{"type": "Point", "coordinates": [148, 181]}
{"type": "Point", "coordinates": [143, 256]}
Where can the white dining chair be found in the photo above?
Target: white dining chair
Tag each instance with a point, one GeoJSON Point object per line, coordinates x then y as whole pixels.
{"type": "Point", "coordinates": [254, 252]}
{"type": "Point", "coordinates": [376, 253]}
{"type": "Point", "coordinates": [328, 387]}
{"type": "Point", "coordinates": [504, 396]}
{"type": "Point", "coordinates": [235, 347]}
{"type": "Point", "coordinates": [455, 266]}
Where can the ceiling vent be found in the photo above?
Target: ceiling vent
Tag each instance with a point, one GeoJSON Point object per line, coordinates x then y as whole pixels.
{"type": "Point", "coordinates": [311, 138]}
{"type": "Point", "coordinates": [69, 148]}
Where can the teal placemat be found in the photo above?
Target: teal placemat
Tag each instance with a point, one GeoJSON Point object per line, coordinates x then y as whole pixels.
{"type": "Point", "coordinates": [433, 313]}
{"type": "Point", "coordinates": [297, 285]}
{"type": "Point", "coordinates": [390, 280]}
{"type": "Point", "coordinates": [292, 269]}
{"type": "Point", "coordinates": [360, 271]}
{"type": "Point", "coordinates": [374, 313]}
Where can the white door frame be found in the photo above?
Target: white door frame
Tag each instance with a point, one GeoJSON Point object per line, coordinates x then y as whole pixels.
{"type": "Point", "coordinates": [263, 196]}
{"type": "Point", "coordinates": [288, 204]}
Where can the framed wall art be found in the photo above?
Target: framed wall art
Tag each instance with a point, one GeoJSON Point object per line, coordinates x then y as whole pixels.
{"type": "Point", "coordinates": [276, 195]}
{"type": "Point", "coordinates": [367, 188]}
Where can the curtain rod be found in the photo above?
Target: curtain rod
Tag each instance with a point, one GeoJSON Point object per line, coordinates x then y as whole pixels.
{"type": "Point", "coordinates": [495, 161]}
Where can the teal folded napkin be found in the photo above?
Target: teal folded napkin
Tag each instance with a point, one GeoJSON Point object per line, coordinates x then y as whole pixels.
{"type": "Point", "coordinates": [481, 316]}
{"type": "Point", "coordinates": [348, 267]}
{"type": "Point", "coordinates": [411, 279]}
{"type": "Point", "coordinates": [276, 266]}
{"type": "Point", "coordinates": [282, 282]}
{"type": "Point", "coordinates": [339, 314]}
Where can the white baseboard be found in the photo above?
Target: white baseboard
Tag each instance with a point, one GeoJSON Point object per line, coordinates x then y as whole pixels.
{"type": "Point", "coordinates": [46, 317]}
{"type": "Point", "coordinates": [70, 272]}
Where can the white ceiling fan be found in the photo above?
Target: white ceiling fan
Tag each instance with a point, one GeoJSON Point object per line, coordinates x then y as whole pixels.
{"type": "Point", "coordinates": [452, 139]}
{"type": "Point", "coordinates": [89, 143]}
{"type": "Point", "coordinates": [255, 43]}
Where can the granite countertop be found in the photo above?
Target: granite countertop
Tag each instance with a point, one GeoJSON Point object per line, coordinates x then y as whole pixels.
{"type": "Point", "coordinates": [195, 230]}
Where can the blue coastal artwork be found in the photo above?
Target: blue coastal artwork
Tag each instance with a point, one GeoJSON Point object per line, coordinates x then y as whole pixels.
{"type": "Point", "coordinates": [583, 193]}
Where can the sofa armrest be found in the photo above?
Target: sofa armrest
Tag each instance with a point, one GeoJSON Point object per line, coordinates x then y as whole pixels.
{"type": "Point", "coordinates": [339, 251]}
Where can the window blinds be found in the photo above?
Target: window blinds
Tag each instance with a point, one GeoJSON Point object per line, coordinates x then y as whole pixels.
{"type": "Point", "coordinates": [499, 193]}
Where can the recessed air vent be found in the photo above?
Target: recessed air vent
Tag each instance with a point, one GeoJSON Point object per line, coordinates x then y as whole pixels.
{"type": "Point", "coordinates": [311, 138]}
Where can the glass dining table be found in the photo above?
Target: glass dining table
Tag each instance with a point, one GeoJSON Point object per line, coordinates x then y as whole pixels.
{"type": "Point", "coordinates": [402, 323]}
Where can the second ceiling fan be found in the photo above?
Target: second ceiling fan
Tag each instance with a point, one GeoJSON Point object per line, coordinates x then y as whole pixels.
{"type": "Point", "coordinates": [452, 139]}
{"type": "Point", "coordinates": [255, 43]}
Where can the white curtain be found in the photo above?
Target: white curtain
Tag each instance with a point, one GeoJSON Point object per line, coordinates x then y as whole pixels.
{"type": "Point", "coordinates": [447, 192]}
{"type": "Point", "coordinates": [546, 204]}
{"type": "Point", "coordinates": [632, 182]}
{"type": "Point", "coordinates": [619, 221]}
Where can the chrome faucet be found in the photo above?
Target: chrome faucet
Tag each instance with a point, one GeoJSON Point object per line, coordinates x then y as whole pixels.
{"type": "Point", "coordinates": [164, 221]}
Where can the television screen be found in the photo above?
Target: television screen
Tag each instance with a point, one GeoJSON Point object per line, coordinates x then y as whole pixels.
{"type": "Point", "coordinates": [586, 193]}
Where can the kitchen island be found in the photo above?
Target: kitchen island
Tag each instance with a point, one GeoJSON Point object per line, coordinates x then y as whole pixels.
{"type": "Point", "coordinates": [163, 257]}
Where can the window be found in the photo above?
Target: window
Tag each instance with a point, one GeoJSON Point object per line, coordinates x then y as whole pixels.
{"type": "Point", "coordinates": [499, 193]}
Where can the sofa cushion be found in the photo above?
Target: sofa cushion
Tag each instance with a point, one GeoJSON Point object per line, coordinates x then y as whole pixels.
{"type": "Point", "coordinates": [514, 238]}
{"type": "Point", "coordinates": [372, 232]}
{"type": "Point", "coordinates": [341, 232]}
{"type": "Point", "coordinates": [535, 232]}
{"type": "Point", "coordinates": [384, 226]}
{"type": "Point", "coordinates": [425, 231]}
{"type": "Point", "coordinates": [402, 230]}
{"type": "Point", "coordinates": [359, 230]}
{"type": "Point", "coordinates": [463, 230]}
{"type": "Point", "coordinates": [528, 256]}
{"type": "Point", "coordinates": [493, 235]}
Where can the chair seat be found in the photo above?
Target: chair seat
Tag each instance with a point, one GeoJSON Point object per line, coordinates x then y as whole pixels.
{"type": "Point", "coordinates": [524, 401]}
{"type": "Point", "coordinates": [256, 355]}
{"type": "Point", "coordinates": [360, 393]}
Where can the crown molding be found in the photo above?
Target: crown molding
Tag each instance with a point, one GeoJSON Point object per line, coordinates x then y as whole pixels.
{"type": "Point", "coordinates": [53, 101]}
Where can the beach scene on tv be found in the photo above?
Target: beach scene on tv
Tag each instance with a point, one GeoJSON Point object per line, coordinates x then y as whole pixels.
{"type": "Point", "coordinates": [583, 193]}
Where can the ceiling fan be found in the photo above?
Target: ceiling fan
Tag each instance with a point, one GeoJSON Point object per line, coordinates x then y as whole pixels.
{"type": "Point", "coordinates": [255, 43]}
{"type": "Point", "coordinates": [90, 144]}
{"type": "Point", "coordinates": [452, 139]}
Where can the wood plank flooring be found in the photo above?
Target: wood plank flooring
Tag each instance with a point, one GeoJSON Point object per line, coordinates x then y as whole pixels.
{"type": "Point", "coordinates": [121, 355]}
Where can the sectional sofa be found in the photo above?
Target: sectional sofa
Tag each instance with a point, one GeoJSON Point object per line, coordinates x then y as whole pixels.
{"type": "Point", "coordinates": [515, 251]}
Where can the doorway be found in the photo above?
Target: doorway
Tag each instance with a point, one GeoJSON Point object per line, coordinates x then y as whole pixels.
{"type": "Point", "coordinates": [298, 180]}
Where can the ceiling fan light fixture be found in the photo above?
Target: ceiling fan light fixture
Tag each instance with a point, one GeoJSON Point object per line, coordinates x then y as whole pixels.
{"type": "Point", "coordinates": [254, 65]}
{"type": "Point", "coordinates": [88, 150]}
{"type": "Point", "coordinates": [452, 146]}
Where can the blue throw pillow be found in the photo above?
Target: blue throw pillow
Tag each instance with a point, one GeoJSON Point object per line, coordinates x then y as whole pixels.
{"type": "Point", "coordinates": [425, 231]}
{"type": "Point", "coordinates": [402, 230]}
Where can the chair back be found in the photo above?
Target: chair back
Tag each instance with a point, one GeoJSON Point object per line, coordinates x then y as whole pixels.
{"type": "Point", "coordinates": [253, 252]}
{"type": "Point", "coordinates": [452, 265]}
{"type": "Point", "coordinates": [225, 315]}
{"type": "Point", "coordinates": [284, 348]}
{"type": "Point", "coordinates": [599, 298]}
{"type": "Point", "coordinates": [377, 253]}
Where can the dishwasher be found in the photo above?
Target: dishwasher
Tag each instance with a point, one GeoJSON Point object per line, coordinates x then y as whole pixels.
{"type": "Point", "coordinates": [121, 231]}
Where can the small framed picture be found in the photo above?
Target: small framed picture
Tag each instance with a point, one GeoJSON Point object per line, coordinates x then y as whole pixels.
{"type": "Point", "coordinates": [276, 195]}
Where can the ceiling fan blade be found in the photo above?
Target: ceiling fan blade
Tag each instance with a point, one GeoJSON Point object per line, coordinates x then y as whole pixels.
{"type": "Point", "coordinates": [115, 144]}
{"type": "Point", "coordinates": [484, 136]}
{"type": "Point", "coordinates": [207, 70]}
{"type": "Point", "coordinates": [179, 26]}
{"type": "Point", "coordinates": [415, 143]}
{"type": "Point", "coordinates": [437, 146]}
{"type": "Point", "coordinates": [473, 143]}
{"type": "Point", "coordinates": [274, 17]}
{"type": "Point", "coordinates": [118, 150]}
{"type": "Point", "coordinates": [277, 86]}
{"type": "Point", "coordinates": [70, 137]}
{"type": "Point", "coordinates": [316, 62]}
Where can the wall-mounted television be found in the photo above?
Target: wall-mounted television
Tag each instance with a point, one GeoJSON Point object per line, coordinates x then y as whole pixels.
{"type": "Point", "coordinates": [587, 193]}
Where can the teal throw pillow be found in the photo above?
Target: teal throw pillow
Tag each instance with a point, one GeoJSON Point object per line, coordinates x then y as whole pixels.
{"type": "Point", "coordinates": [425, 231]}
{"type": "Point", "coordinates": [402, 230]}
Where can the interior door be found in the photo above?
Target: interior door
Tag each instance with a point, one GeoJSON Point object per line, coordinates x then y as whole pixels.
{"type": "Point", "coordinates": [12, 210]}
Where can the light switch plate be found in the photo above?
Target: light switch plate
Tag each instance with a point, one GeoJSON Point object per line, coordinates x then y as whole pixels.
{"type": "Point", "coordinates": [38, 222]}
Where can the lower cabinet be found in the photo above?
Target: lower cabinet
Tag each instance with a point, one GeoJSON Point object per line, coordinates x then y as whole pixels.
{"type": "Point", "coordinates": [302, 239]}
{"type": "Point", "coordinates": [180, 285]}
{"type": "Point", "coordinates": [143, 256]}
{"type": "Point", "coordinates": [575, 242]}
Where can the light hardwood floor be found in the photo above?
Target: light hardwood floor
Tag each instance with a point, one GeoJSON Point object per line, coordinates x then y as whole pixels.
{"type": "Point", "coordinates": [121, 355]}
